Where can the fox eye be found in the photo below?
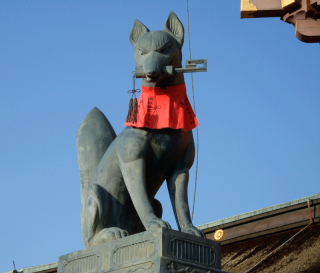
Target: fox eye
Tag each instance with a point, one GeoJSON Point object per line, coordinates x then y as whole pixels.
{"type": "Point", "coordinates": [142, 52]}
{"type": "Point", "coordinates": [165, 50]}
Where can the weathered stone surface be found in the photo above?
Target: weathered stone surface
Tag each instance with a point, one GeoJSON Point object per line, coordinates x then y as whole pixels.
{"type": "Point", "coordinates": [121, 175]}
{"type": "Point", "coordinates": [163, 250]}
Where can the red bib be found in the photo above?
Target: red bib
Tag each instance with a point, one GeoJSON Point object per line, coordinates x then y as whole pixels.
{"type": "Point", "coordinates": [164, 107]}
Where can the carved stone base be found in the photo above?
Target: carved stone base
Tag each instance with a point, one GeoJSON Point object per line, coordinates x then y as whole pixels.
{"type": "Point", "coordinates": [162, 251]}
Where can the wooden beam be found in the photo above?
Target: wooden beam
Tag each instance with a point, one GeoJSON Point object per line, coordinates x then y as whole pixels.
{"type": "Point", "coordinates": [289, 4]}
{"type": "Point", "coordinates": [303, 14]}
{"type": "Point", "coordinates": [308, 31]}
{"type": "Point", "coordinates": [267, 8]}
{"type": "Point", "coordinates": [266, 222]}
{"type": "Point", "coordinates": [261, 8]}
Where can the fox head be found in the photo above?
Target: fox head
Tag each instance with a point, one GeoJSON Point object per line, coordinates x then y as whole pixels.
{"type": "Point", "coordinates": [153, 50]}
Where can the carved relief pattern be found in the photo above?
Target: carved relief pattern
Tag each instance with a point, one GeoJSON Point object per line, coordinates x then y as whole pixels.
{"type": "Point", "coordinates": [133, 252]}
{"type": "Point", "coordinates": [192, 252]}
{"type": "Point", "coordinates": [85, 264]}
{"type": "Point", "coordinates": [148, 268]}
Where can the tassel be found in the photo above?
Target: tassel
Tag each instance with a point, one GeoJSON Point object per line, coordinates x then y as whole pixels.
{"type": "Point", "coordinates": [130, 110]}
{"type": "Point", "coordinates": [135, 110]}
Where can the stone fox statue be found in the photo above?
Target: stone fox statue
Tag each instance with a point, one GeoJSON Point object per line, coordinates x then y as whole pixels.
{"type": "Point", "coordinates": [120, 175]}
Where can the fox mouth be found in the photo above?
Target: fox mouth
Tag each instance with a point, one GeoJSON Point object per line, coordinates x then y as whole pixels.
{"type": "Point", "coordinates": [154, 78]}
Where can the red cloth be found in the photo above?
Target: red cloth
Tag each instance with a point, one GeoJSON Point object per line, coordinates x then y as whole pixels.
{"type": "Point", "coordinates": [167, 107]}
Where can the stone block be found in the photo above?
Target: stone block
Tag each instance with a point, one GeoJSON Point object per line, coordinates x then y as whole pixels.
{"type": "Point", "coordinates": [163, 250]}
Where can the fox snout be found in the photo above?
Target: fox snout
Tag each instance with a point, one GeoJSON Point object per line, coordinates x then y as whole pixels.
{"type": "Point", "coordinates": [153, 51]}
{"type": "Point", "coordinates": [153, 63]}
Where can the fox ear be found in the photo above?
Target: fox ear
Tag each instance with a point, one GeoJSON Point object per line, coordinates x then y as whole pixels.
{"type": "Point", "coordinates": [173, 26]}
{"type": "Point", "coordinates": [137, 31]}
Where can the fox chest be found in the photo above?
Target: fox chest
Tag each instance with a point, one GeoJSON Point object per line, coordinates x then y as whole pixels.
{"type": "Point", "coordinates": [165, 149]}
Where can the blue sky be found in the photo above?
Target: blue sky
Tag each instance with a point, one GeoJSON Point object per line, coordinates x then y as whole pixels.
{"type": "Point", "coordinates": [257, 106]}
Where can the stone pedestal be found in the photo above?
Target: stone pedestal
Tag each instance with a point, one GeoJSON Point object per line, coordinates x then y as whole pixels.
{"type": "Point", "coordinates": [162, 251]}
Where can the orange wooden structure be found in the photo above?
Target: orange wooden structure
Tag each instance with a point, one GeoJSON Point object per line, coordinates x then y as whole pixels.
{"type": "Point", "coordinates": [303, 14]}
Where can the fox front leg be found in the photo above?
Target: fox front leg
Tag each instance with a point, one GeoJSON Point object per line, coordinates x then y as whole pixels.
{"type": "Point", "coordinates": [178, 189]}
{"type": "Point", "coordinates": [133, 168]}
{"type": "Point", "coordinates": [134, 176]}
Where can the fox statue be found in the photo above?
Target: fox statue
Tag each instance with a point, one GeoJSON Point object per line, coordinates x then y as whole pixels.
{"type": "Point", "coordinates": [120, 175]}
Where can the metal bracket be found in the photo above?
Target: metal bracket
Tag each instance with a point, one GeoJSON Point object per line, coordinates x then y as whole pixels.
{"type": "Point", "coordinates": [191, 66]}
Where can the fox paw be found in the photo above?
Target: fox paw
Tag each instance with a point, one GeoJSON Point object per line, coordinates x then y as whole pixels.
{"type": "Point", "coordinates": [108, 234]}
{"type": "Point", "coordinates": [191, 229]}
{"type": "Point", "coordinates": [156, 223]}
